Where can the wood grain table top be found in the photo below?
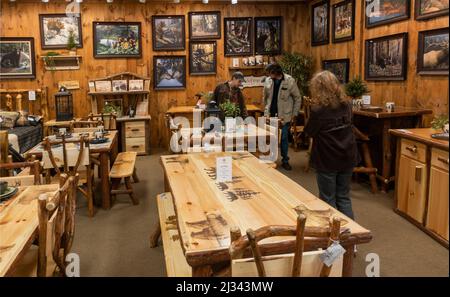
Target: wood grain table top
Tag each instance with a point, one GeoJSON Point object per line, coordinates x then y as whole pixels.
{"type": "Point", "coordinates": [19, 222]}
{"type": "Point", "coordinates": [399, 111]}
{"type": "Point", "coordinates": [258, 196]}
{"type": "Point", "coordinates": [422, 135]}
{"type": "Point", "coordinates": [190, 109]}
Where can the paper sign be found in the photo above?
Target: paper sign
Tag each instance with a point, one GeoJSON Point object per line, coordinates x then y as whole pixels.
{"type": "Point", "coordinates": [366, 99]}
{"type": "Point", "coordinates": [333, 252]}
{"type": "Point", "coordinates": [224, 171]}
{"type": "Point", "coordinates": [230, 125]}
{"type": "Point", "coordinates": [31, 95]}
{"type": "Point", "coordinates": [235, 62]}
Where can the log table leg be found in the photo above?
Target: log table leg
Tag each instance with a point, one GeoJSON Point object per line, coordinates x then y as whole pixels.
{"type": "Point", "coordinates": [387, 155]}
{"type": "Point", "coordinates": [154, 237]}
{"type": "Point", "coordinates": [202, 271]}
{"type": "Point", "coordinates": [347, 265]}
{"type": "Point", "coordinates": [104, 165]}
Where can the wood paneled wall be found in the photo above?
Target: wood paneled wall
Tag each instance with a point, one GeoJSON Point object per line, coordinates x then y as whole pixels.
{"type": "Point", "coordinates": [21, 19]}
{"type": "Point", "coordinates": [417, 90]}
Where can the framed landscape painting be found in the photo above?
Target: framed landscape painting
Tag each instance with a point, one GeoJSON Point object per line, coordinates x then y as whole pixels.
{"type": "Point", "coordinates": [432, 58]}
{"type": "Point", "coordinates": [55, 30]}
{"type": "Point", "coordinates": [343, 20]}
{"type": "Point", "coordinates": [168, 33]}
{"type": "Point", "coordinates": [426, 9]}
{"type": "Point", "coordinates": [389, 11]}
{"type": "Point", "coordinates": [169, 72]}
{"type": "Point", "coordinates": [238, 36]}
{"type": "Point", "coordinates": [203, 58]}
{"type": "Point", "coordinates": [385, 58]}
{"type": "Point", "coordinates": [204, 25]}
{"type": "Point", "coordinates": [17, 58]}
{"type": "Point", "coordinates": [117, 40]}
{"type": "Point", "coordinates": [320, 24]}
{"type": "Point", "coordinates": [339, 67]}
{"type": "Point", "coordinates": [268, 35]}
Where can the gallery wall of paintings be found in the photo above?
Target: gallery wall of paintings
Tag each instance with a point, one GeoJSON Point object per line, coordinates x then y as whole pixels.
{"type": "Point", "coordinates": [401, 50]}
{"type": "Point", "coordinates": [146, 41]}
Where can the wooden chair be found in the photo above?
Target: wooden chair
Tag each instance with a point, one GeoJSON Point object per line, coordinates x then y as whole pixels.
{"type": "Point", "coordinates": [56, 233]}
{"type": "Point", "coordinates": [32, 173]}
{"type": "Point", "coordinates": [298, 264]}
{"type": "Point", "coordinates": [72, 156]}
{"type": "Point", "coordinates": [84, 126]}
{"type": "Point", "coordinates": [124, 167]}
{"type": "Point", "coordinates": [363, 144]}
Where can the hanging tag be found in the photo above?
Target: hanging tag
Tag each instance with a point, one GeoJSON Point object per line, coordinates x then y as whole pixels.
{"type": "Point", "coordinates": [334, 251]}
{"type": "Point", "coordinates": [31, 95]}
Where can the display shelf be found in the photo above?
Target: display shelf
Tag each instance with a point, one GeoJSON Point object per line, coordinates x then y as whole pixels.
{"type": "Point", "coordinates": [62, 62]}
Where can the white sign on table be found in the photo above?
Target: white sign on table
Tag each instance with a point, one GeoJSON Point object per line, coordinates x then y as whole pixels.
{"type": "Point", "coordinates": [224, 169]}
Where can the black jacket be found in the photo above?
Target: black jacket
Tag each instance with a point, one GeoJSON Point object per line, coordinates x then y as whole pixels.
{"type": "Point", "coordinates": [334, 144]}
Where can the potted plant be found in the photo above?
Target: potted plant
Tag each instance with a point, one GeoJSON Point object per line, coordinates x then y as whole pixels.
{"type": "Point", "coordinates": [299, 66]}
{"type": "Point", "coordinates": [230, 111]}
{"type": "Point", "coordinates": [111, 108]}
{"type": "Point", "coordinates": [49, 61]}
{"type": "Point", "coordinates": [440, 123]}
{"type": "Point", "coordinates": [356, 88]}
{"type": "Point", "coordinates": [71, 45]}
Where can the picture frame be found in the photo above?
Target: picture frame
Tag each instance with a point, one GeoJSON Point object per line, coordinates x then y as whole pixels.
{"type": "Point", "coordinates": [266, 29]}
{"type": "Point", "coordinates": [136, 85]}
{"type": "Point", "coordinates": [55, 29]}
{"type": "Point", "coordinates": [238, 36]}
{"type": "Point", "coordinates": [391, 11]}
{"type": "Point", "coordinates": [339, 67]}
{"type": "Point", "coordinates": [343, 21]}
{"type": "Point", "coordinates": [432, 53]}
{"type": "Point", "coordinates": [169, 72]}
{"type": "Point", "coordinates": [166, 35]}
{"type": "Point", "coordinates": [202, 57]}
{"type": "Point", "coordinates": [117, 40]}
{"type": "Point", "coordinates": [120, 85]}
{"type": "Point", "coordinates": [18, 58]}
{"type": "Point", "coordinates": [103, 86]}
{"type": "Point", "coordinates": [431, 10]}
{"type": "Point", "coordinates": [205, 25]}
{"type": "Point", "coordinates": [386, 58]}
{"type": "Point", "coordinates": [320, 23]}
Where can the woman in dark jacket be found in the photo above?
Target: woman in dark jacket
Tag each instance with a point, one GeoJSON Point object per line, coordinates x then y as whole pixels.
{"type": "Point", "coordinates": [334, 152]}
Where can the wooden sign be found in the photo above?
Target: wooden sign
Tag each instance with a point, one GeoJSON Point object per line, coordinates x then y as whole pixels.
{"type": "Point", "coordinates": [69, 84]}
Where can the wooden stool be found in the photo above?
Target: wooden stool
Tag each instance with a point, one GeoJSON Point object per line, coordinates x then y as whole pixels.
{"type": "Point", "coordinates": [124, 167]}
{"type": "Point", "coordinates": [363, 141]}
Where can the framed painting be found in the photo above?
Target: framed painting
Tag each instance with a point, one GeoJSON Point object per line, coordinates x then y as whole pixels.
{"type": "Point", "coordinates": [387, 12]}
{"type": "Point", "coordinates": [203, 58]}
{"type": "Point", "coordinates": [55, 30]}
{"type": "Point", "coordinates": [427, 9]}
{"type": "Point", "coordinates": [268, 35]}
{"type": "Point", "coordinates": [169, 72]}
{"type": "Point", "coordinates": [343, 21]}
{"type": "Point", "coordinates": [168, 33]}
{"type": "Point", "coordinates": [320, 24]}
{"type": "Point", "coordinates": [386, 58]}
{"type": "Point", "coordinates": [204, 25]}
{"type": "Point", "coordinates": [432, 54]}
{"type": "Point", "coordinates": [238, 36]}
{"type": "Point", "coordinates": [117, 40]}
{"type": "Point", "coordinates": [17, 58]}
{"type": "Point", "coordinates": [340, 68]}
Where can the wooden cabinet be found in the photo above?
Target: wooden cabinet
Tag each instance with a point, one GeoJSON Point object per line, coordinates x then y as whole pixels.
{"type": "Point", "coordinates": [135, 134]}
{"type": "Point", "coordinates": [422, 185]}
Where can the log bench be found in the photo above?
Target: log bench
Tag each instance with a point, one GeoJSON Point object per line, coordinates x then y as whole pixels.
{"type": "Point", "coordinates": [176, 265]}
{"type": "Point", "coordinates": [124, 167]}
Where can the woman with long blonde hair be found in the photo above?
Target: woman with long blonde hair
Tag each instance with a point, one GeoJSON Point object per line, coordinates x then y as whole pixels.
{"type": "Point", "coordinates": [334, 152]}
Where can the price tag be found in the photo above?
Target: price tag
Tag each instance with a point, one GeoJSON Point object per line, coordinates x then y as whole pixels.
{"type": "Point", "coordinates": [334, 251]}
{"type": "Point", "coordinates": [31, 95]}
{"type": "Point", "coordinates": [224, 169]}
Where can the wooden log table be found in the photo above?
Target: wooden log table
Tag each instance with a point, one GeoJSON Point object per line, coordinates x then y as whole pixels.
{"type": "Point", "coordinates": [258, 196]}
{"type": "Point", "coordinates": [107, 154]}
{"type": "Point", "coordinates": [19, 224]}
{"type": "Point", "coordinates": [376, 125]}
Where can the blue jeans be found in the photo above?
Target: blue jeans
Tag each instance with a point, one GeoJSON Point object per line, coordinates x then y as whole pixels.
{"type": "Point", "coordinates": [285, 142]}
{"type": "Point", "coordinates": [334, 189]}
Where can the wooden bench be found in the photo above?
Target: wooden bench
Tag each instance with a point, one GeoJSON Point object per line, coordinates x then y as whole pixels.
{"type": "Point", "coordinates": [176, 264]}
{"type": "Point", "coordinates": [124, 167]}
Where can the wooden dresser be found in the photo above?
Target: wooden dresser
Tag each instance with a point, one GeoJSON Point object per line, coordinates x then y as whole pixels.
{"type": "Point", "coordinates": [422, 184]}
{"type": "Point", "coordinates": [135, 134]}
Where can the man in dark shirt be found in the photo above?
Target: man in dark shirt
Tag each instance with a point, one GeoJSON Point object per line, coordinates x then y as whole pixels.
{"type": "Point", "coordinates": [230, 91]}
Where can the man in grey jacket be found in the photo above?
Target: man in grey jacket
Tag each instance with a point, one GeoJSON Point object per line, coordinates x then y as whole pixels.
{"type": "Point", "coordinates": [282, 99]}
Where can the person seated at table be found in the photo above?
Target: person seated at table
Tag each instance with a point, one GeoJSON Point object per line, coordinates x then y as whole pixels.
{"type": "Point", "coordinates": [334, 151]}
{"type": "Point", "coordinates": [230, 91]}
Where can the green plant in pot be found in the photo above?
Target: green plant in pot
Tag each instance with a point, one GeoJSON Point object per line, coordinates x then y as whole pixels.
{"type": "Point", "coordinates": [356, 88]}
{"type": "Point", "coordinates": [230, 109]}
{"type": "Point", "coordinates": [49, 61]}
{"type": "Point", "coordinates": [440, 123]}
{"type": "Point", "coordinates": [299, 66]}
{"type": "Point", "coordinates": [110, 108]}
{"type": "Point", "coordinates": [71, 44]}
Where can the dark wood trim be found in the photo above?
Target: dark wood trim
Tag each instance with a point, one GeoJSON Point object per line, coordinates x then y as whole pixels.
{"type": "Point", "coordinates": [94, 40]}
{"type": "Point", "coordinates": [183, 21]}
{"type": "Point", "coordinates": [389, 21]}
{"type": "Point", "coordinates": [219, 22]}
{"type": "Point", "coordinates": [327, 40]}
{"type": "Point", "coordinates": [333, 22]}
{"type": "Point", "coordinates": [225, 32]}
{"type": "Point", "coordinates": [59, 15]}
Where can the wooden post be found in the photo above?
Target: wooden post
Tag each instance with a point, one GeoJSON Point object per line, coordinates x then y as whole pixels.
{"type": "Point", "coordinates": [4, 149]}
{"type": "Point", "coordinates": [334, 236]}
{"type": "Point", "coordinates": [256, 252]}
{"type": "Point", "coordinates": [299, 244]}
{"type": "Point", "coordinates": [43, 219]}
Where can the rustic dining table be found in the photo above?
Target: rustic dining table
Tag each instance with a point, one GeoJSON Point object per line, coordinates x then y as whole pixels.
{"type": "Point", "coordinates": [376, 124]}
{"type": "Point", "coordinates": [257, 196]}
{"type": "Point", "coordinates": [19, 224]}
{"type": "Point", "coordinates": [107, 154]}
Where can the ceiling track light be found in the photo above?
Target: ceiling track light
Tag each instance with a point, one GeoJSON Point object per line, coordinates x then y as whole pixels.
{"type": "Point", "coordinates": [142, 1]}
{"type": "Point", "coordinates": [45, 1]}
{"type": "Point", "coordinates": [205, 1]}
{"type": "Point", "coordinates": [234, 1]}
{"type": "Point", "coordinates": [176, 1]}
{"type": "Point", "coordinates": [109, 1]}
